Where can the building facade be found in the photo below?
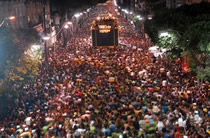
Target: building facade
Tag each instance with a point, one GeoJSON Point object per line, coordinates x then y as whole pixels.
{"type": "Point", "coordinates": [28, 13]}
{"type": "Point", "coordinates": [177, 3]}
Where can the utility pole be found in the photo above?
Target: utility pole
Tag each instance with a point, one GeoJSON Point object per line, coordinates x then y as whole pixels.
{"type": "Point", "coordinates": [45, 41]}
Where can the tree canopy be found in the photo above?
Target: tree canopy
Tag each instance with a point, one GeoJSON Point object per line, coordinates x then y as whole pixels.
{"type": "Point", "coordinates": [13, 43]}
{"type": "Point", "coordinates": [188, 30]}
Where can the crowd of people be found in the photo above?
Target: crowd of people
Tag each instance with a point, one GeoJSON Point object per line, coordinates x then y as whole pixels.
{"type": "Point", "coordinates": [121, 93]}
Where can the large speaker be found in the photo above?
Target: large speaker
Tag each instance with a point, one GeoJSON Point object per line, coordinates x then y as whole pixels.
{"type": "Point", "coordinates": [105, 32]}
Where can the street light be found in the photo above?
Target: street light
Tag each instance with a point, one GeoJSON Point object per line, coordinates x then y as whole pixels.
{"type": "Point", "coordinates": [77, 15]}
{"type": "Point", "coordinates": [149, 17]}
{"type": "Point", "coordinates": [88, 9]}
{"type": "Point", "coordinates": [140, 19]}
{"type": "Point", "coordinates": [126, 11]}
{"type": "Point", "coordinates": [46, 38]}
{"type": "Point", "coordinates": [11, 17]}
{"type": "Point", "coordinates": [69, 23]}
{"type": "Point", "coordinates": [163, 34]}
{"type": "Point", "coordinates": [66, 26]}
{"type": "Point", "coordinates": [8, 18]}
{"type": "Point", "coordinates": [138, 16]}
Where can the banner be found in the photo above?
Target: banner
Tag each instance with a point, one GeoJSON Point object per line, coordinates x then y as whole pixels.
{"type": "Point", "coordinates": [185, 64]}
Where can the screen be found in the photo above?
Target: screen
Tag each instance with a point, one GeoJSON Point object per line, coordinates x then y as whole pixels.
{"type": "Point", "coordinates": [105, 39]}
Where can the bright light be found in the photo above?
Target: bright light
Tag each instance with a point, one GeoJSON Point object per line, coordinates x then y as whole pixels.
{"type": "Point", "coordinates": [88, 9]}
{"type": "Point", "coordinates": [126, 11]}
{"type": "Point", "coordinates": [131, 22]}
{"type": "Point", "coordinates": [70, 23]}
{"type": "Point", "coordinates": [115, 3]}
{"type": "Point", "coordinates": [116, 10]}
{"type": "Point", "coordinates": [138, 16]}
{"type": "Point", "coordinates": [81, 14]}
{"type": "Point", "coordinates": [119, 7]}
{"type": "Point", "coordinates": [35, 46]}
{"type": "Point", "coordinates": [66, 26]}
{"type": "Point", "coordinates": [98, 18]}
{"type": "Point", "coordinates": [150, 17]}
{"type": "Point", "coordinates": [77, 15]}
{"type": "Point", "coordinates": [163, 34]}
{"type": "Point", "coordinates": [131, 12]}
{"type": "Point", "coordinates": [46, 38]}
{"type": "Point", "coordinates": [12, 17]}
{"type": "Point", "coordinates": [34, 51]}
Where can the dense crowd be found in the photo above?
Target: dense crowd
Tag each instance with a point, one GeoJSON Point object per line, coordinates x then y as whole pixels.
{"type": "Point", "coordinates": [122, 92]}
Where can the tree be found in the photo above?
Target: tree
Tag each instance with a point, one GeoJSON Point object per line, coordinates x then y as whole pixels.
{"type": "Point", "coordinates": [23, 70]}
{"type": "Point", "coordinates": [188, 30]}
{"type": "Point", "coordinates": [170, 42]}
{"type": "Point", "coordinates": [196, 41]}
{"type": "Point", "coordinates": [13, 43]}
{"type": "Point", "coordinates": [15, 65]}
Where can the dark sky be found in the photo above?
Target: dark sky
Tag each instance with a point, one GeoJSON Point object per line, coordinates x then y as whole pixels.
{"type": "Point", "coordinates": [74, 3]}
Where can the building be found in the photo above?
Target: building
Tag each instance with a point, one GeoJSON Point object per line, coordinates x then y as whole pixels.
{"type": "Point", "coordinates": [195, 1]}
{"type": "Point", "coordinates": [177, 3]}
{"type": "Point", "coordinates": [170, 4]}
{"type": "Point", "coordinates": [28, 13]}
{"type": "Point", "coordinates": [15, 8]}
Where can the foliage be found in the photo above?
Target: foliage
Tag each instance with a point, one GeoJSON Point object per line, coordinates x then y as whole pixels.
{"type": "Point", "coordinates": [177, 19]}
{"type": "Point", "coordinates": [13, 43]}
{"type": "Point", "coordinates": [25, 69]}
{"type": "Point", "coordinates": [170, 41]}
{"type": "Point", "coordinates": [189, 31]}
{"type": "Point", "coordinates": [204, 73]}
{"type": "Point", "coordinates": [15, 66]}
{"type": "Point", "coordinates": [196, 40]}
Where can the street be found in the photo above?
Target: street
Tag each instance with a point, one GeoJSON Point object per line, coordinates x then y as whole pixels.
{"type": "Point", "coordinates": [120, 92]}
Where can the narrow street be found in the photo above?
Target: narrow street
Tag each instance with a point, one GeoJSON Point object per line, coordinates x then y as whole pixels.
{"type": "Point", "coordinates": [121, 92]}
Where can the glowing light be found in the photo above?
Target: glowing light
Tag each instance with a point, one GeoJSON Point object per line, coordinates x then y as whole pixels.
{"type": "Point", "coordinates": [70, 23]}
{"type": "Point", "coordinates": [149, 17]}
{"type": "Point", "coordinates": [12, 17]}
{"type": "Point", "coordinates": [126, 11]}
{"type": "Point", "coordinates": [115, 3]}
{"type": "Point", "coordinates": [66, 26]}
{"type": "Point", "coordinates": [46, 38]}
{"type": "Point", "coordinates": [77, 15]}
{"type": "Point", "coordinates": [131, 12]}
{"type": "Point", "coordinates": [163, 34]}
{"type": "Point", "coordinates": [88, 9]}
{"type": "Point", "coordinates": [138, 16]}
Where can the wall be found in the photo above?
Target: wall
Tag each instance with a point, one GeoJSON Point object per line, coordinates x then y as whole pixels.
{"type": "Point", "coordinates": [13, 8]}
{"type": "Point", "coordinates": [28, 13]}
